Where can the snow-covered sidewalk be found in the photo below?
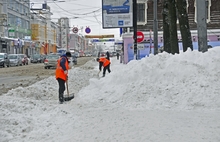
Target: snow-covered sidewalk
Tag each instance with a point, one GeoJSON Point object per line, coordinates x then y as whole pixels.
{"type": "Point", "coordinates": [161, 98]}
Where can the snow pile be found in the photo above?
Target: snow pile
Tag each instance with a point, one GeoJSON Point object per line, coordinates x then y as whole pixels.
{"type": "Point", "coordinates": [185, 81]}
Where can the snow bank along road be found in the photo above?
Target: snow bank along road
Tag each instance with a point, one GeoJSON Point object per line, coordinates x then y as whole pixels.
{"type": "Point", "coordinates": [14, 77]}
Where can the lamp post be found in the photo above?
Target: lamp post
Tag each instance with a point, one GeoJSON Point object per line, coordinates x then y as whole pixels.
{"type": "Point", "coordinates": [135, 27]}
{"type": "Point", "coordinates": [155, 27]}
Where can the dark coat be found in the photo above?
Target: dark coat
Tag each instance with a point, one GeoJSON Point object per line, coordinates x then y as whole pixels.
{"type": "Point", "coordinates": [107, 55]}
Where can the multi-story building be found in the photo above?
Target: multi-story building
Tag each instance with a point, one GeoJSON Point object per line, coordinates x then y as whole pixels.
{"type": "Point", "coordinates": [14, 24]}
{"type": "Point", "coordinates": [44, 32]}
{"type": "Point", "coordinates": [64, 30]}
{"type": "Point", "coordinates": [78, 42]}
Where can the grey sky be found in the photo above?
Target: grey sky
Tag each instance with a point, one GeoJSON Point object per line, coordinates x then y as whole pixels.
{"type": "Point", "coordinates": [82, 13]}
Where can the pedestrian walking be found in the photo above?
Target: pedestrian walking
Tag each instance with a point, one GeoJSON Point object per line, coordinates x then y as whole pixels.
{"type": "Point", "coordinates": [117, 55]}
{"type": "Point", "coordinates": [107, 55]}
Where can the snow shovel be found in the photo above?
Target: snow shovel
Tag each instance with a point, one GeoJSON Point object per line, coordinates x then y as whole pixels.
{"type": "Point", "coordinates": [98, 73]}
{"type": "Point", "coordinates": [68, 97]}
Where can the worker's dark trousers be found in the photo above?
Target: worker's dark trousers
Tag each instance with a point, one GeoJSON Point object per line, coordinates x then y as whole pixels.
{"type": "Point", "coordinates": [106, 68]}
{"type": "Point", "coordinates": [61, 89]}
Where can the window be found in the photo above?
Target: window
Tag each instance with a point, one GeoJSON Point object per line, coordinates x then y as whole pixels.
{"type": "Point", "coordinates": [21, 9]}
{"type": "Point", "coordinates": [140, 12]}
{"type": "Point", "coordinates": [11, 19]}
{"type": "Point", "coordinates": [17, 6]}
{"type": "Point", "coordinates": [11, 3]}
{"type": "Point", "coordinates": [24, 10]}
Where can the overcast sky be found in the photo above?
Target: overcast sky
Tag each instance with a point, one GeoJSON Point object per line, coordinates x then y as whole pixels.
{"type": "Point", "coordinates": [82, 13]}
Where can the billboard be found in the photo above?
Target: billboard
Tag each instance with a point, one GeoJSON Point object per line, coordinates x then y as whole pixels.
{"type": "Point", "coordinates": [117, 13]}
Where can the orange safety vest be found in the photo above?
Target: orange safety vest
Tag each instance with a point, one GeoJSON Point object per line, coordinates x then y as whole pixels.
{"type": "Point", "coordinates": [60, 72]}
{"type": "Point", "coordinates": [105, 61]}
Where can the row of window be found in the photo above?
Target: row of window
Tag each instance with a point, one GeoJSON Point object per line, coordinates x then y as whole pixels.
{"type": "Point", "coordinates": [142, 11]}
{"type": "Point", "coordinates": [17, 21]}
{"type": "Point", "coordinates": [22, 8]}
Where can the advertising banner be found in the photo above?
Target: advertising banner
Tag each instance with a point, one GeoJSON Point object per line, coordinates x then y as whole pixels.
{"type": "Point", "coordinates": [99, 36]}
{"type": "Point", "coordinates": [117, 13]}
{"type": "Point", "coordinates": [103, 40]}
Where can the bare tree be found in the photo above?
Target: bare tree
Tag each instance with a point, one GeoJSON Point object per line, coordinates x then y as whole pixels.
{"type": "Point", "coordinates": [173, 27]}
{"type": "Point", "coordinates": [166, 33]}
{"type": "Point", "coordinates": [184, 24]}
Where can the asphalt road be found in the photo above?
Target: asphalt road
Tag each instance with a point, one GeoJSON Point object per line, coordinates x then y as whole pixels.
{"type": "Point", "coordinates": [26, 75]}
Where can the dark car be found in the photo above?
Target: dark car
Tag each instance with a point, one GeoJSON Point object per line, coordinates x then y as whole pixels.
{"type": "Point", "coordinates": [4, 61]}
{"type": "Point", "coordinates": [43, 57]}
{"type": "Point", "coordinates": [36, 58]}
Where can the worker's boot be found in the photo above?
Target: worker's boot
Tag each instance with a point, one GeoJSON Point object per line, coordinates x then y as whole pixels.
{"type": "Point", "coordinates": [61, 99]}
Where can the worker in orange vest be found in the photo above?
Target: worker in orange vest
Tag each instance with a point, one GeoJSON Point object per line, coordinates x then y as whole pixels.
{"type": "Point", "coordinates": [62, 73]}
{"type": "Point", "coordinates": [105, 63]}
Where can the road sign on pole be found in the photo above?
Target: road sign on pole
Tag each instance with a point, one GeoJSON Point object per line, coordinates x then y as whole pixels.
{"type": "Point", "coordinates": [140, 36]}
{"type": "Point", "coordinates": [75, 30]}
{"type": "Point", "coordinates": [87, 30]}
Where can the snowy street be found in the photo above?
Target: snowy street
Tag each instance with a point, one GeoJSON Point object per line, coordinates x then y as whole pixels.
{"type": "Point", "coordinates": [163, 98]}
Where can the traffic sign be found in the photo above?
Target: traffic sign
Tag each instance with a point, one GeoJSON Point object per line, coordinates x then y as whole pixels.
{"type": "Point", "coordinates": [75, 30]}
{"type": "Point", "coordinates": [140, 36]}
{"type": "Point", "coordinates": [87, 30]}
{"type": "Point", "coordinates": [140, 46]}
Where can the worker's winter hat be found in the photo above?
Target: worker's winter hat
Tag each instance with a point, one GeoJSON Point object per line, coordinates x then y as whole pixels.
{"type": "Point", "coordinates": [68, 54]}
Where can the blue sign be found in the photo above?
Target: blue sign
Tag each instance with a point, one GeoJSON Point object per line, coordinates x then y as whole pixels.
{"type": "Point", "coordinates": [87, 30]}
{"type": "Point", "coordinates": [118, 9]}
{"type": "Point", "coordinates": [120, 23]}
{"type": "Point", "coordinates": [103, 40]}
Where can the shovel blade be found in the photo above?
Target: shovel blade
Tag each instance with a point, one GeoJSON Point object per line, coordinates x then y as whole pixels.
{"type": "Point", "coordinates": [68, 98]}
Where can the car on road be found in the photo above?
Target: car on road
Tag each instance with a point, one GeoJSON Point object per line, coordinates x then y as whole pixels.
{"type": "Point", "coordinates": [37, 58]}
{"type": "Point", "coordinates": [15, 60]}
{"type": "Point", "coordinates": [4, 61]}
{"type": "Point", "coordinates": [51, 61]}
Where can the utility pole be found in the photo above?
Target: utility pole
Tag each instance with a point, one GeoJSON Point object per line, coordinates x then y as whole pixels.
{"type": "Point", "coordinates": [155, 29]}
{"type": "Point", "coordinates": [202, 25]}
{"type": "Point", "coordinates": [135, 27]}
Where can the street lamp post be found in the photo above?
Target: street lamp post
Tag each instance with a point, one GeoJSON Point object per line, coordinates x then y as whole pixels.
{"type": "Point", "coordinates": [155, 27]}
{"type": "Point", "coordinates": [135, 27]}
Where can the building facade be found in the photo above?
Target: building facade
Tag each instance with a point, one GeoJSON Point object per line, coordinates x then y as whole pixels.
{"type": "Point", "coordinates": [145, 22]}
{"type": "Point", "coordinates": [64, 32]}
{"type": "Point", "coordinates": [146, 18]}
{"type": "Point", "coordinates": [44, 32]}
{"type": "Point", "coordinates": [14, 25]}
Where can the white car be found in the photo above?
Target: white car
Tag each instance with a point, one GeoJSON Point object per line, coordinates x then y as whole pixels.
{"type": "Point", "coordinates": [15, 60]}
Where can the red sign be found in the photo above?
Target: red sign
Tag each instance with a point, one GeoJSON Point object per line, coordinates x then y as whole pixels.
{"type": "Point", "coordinates": [140, 36]}
{"type": "Point", "coordinates": [75, 30]}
